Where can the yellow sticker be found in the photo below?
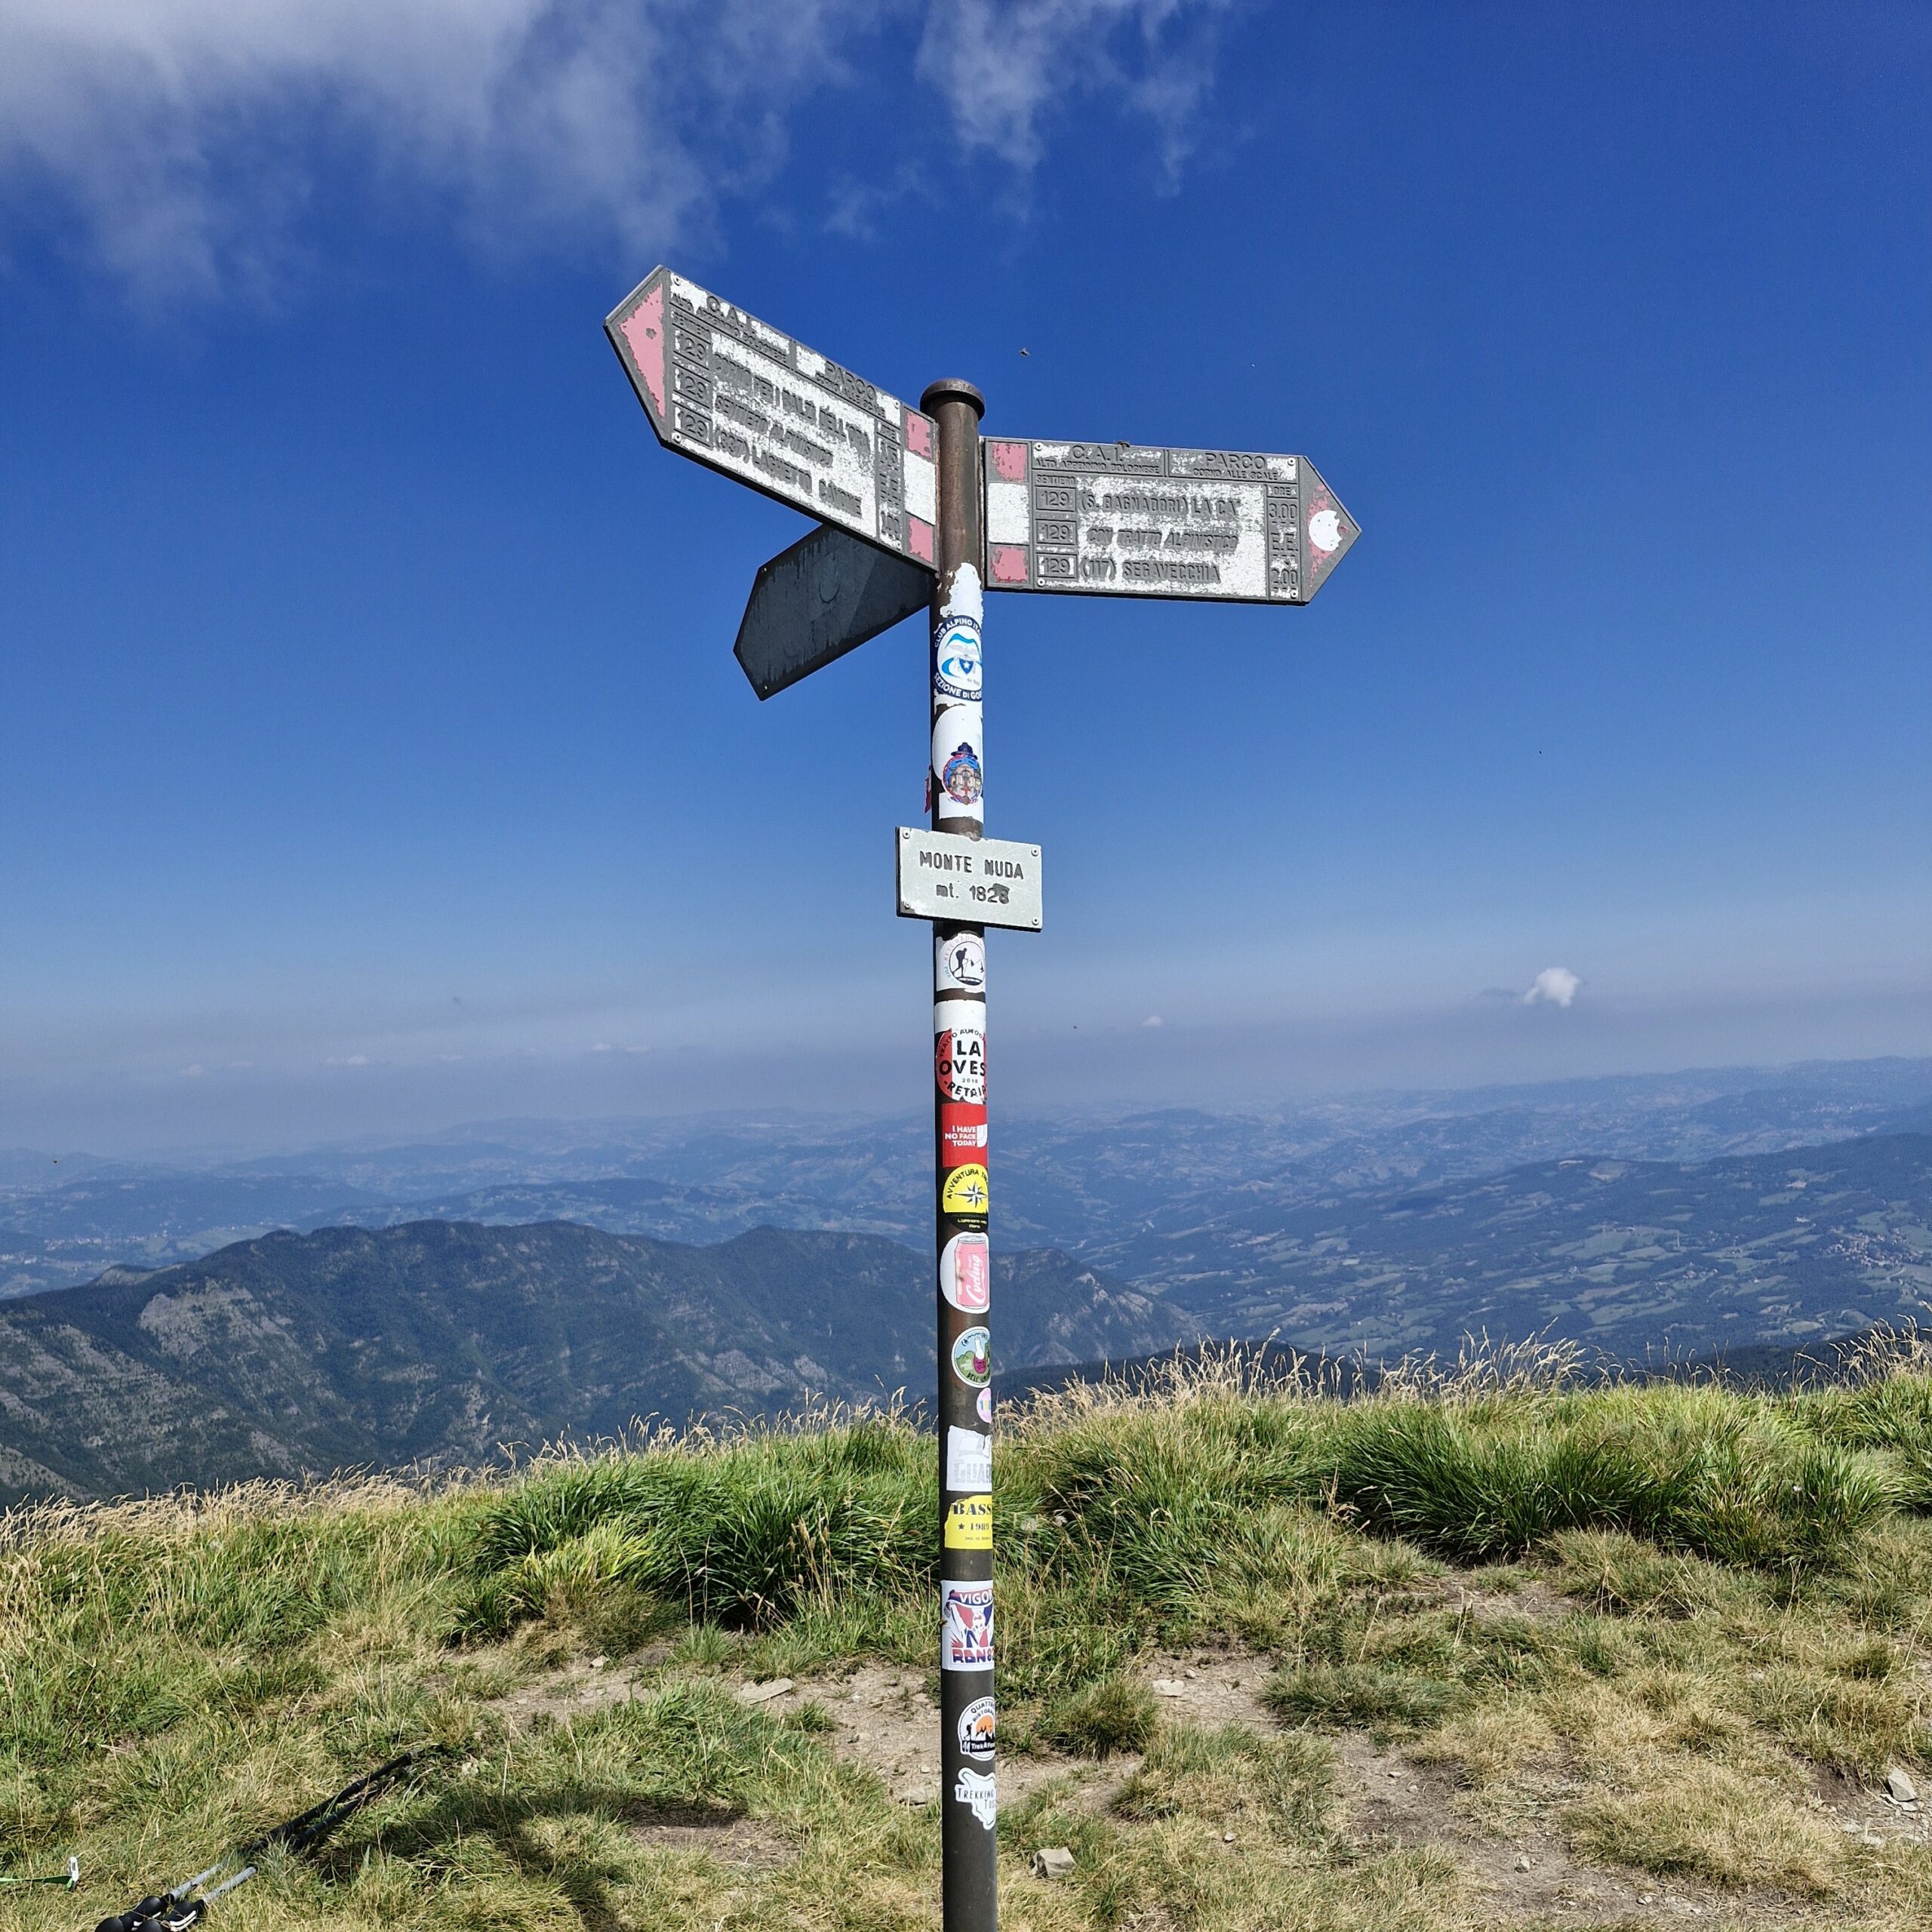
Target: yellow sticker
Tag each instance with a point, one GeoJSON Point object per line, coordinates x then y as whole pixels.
{"type": "Point", "coordinates": [966, 1192]}
{"type": "Point", "coordinates": [969, 1524]}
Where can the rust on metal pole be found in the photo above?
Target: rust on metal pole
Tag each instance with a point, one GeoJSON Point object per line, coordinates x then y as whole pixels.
{"type": "Point", "coordinates": [964, 1413]}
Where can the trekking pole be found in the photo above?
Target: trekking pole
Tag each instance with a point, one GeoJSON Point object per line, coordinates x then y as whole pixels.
{"type": "Point", "coordinates": [187, 1904]}
{"type": "Point", "coordinates": [70, 1878]}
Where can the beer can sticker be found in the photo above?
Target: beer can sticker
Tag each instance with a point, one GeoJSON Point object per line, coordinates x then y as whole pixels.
{"type": "Point", "coordinates": [966, 1625]}
{"type": "Point", "coordinates": [966, 1273]}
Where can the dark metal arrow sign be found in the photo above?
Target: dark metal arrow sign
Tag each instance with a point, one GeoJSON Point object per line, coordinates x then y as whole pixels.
{"type": "Point", "coordinates": [1123, 519]}
{"type": "Point", "coordinates": [722, 387]}
{"type": "Point", "coordinates": [827, 594]}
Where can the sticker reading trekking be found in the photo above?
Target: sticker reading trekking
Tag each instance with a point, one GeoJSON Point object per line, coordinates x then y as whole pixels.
{"type": "Point", "coordinates": [976, 1788]}
{"type": "Point", "coordinates": [966, 1273]}
{"type": "Point", "coordinates": [966, 1625]}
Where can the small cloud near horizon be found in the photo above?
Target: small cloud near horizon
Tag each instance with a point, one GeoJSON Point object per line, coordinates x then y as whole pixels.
{"type": "Point", "coordinates": [1555, 985]}
{"type": "Point", "coordinates": [1153, 1019]}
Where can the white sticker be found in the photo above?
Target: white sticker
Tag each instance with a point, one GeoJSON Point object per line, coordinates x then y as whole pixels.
{"type": "Point", "coordinates": [1324, 530]}
{"type": "Point", "coordinates": [983, 1402]}
{"type": "Point", "coordinates": [956, 660]}
{"type": "Point", "coordinates": [962, 963]}
{"type": "Point", "coordinates": [976, 1788]}
{"type": "Point", "coordinates": [969, 1460]}
{"type": "Point", "coordinates": [966, 1625]}
{"type": "Point", "coordinates": [978, 1723]}
{"type": "Point", "coordinates": [959, 1049]}
{"type": "Point", "coordinates": [958, 760]}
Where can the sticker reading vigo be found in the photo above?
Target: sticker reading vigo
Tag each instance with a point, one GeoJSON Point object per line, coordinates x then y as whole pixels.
{"type": "Point", "coordinates": [1119, 519]}
{"type": "Point", "coordinates": [966, 1623]}
{"type": "Point", "coordinates": [733, 392]}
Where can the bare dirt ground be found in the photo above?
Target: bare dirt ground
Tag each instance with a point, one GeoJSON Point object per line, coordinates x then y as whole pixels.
{"type": "Point", "coordinates": [884, 1717]}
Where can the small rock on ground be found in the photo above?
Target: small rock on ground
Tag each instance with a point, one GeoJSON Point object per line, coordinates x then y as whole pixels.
{"type": "Point", "coordinates": [1052, 1861]}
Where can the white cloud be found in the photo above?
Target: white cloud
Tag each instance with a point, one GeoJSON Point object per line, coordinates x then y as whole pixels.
{"type": "Point", "coordinates": [181, 142]}
{"type": "Point", "coordinates": [1153, 1019]}
{"type": "Point", "coordinates": [1555, 985]}
{"type": "Point", "coordinates": [187, 135]}
{"type": "Point", "coordinates": [1001, 64]}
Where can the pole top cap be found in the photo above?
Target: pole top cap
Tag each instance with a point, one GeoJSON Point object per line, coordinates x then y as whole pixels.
{"type": "Point", "coordinates": [952, 389]}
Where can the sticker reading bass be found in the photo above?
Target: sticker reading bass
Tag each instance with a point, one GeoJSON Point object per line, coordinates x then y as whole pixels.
{"type": "Point", "coordinates": [969, 1524]}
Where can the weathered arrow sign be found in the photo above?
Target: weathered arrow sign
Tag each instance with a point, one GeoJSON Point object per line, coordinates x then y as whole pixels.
{"type": "Point", "coordinates": [1124, 519]}
{"type": "Point", "coordinates": [825, 596]}
{"type": "Point", "coordinates": [729, 390]}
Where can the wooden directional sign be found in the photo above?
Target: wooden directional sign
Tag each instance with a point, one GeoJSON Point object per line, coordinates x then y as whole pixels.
{"type": "Point", "coordinates": [1123, 519]}
{"type": "Point", "coordinates": [823, 597]}
{"type": "Point", "coordinates": [723, 387]}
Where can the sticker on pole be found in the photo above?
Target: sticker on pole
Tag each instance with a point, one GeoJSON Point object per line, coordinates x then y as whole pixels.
{"type": "Point", "coordinates": [976, 881]}
{"type": "Point", "coordinates": [969, 1524]}
{"type": "Point", "coordinates": [967, 1196]}
{"type": "Point", "coordinates": [976, 1788]}
{"type": "Point", "coordinates": [962, 1134]}
{"type": "Point", "coordinates": [959, 1050]}
{"type": "Point", "coordinates": [966, 1625]}
{"type": "Point", "coordinates": [972, 1362]}
{"type": "Point", "coordinates": [969, 1459]}
{"type": "Point", "coordinates": [966, 1273]}
{"type": "Point", "coordinates": [1126, 520]}
{"type": "Point", "coordinates": [739, 396]}
{"type": "Point", "coordinates": [960, 957]}
{"type": "Point", "coordinates": [978, 1723]}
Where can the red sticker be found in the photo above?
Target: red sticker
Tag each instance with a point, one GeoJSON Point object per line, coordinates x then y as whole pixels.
{"type": "Point", "coordinates": [959, 1064]}
{"type": "Point", "coordinates": [962, 1134]}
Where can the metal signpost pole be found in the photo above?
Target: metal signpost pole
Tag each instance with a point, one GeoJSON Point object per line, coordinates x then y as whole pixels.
{"type": "Point", "coordinates": [907, 512]}
{"type": "Point", "coordinates": [964, 1409]}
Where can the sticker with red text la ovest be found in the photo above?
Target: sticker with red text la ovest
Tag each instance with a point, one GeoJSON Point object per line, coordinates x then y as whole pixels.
{"type": "Point", "coordinates": [959, 1050]}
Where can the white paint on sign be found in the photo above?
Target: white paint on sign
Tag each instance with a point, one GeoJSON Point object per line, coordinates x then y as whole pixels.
{"type": "Point", "coordinates": [973, 881]}
{"type": "Point", "coordinates": [1121, 519]}
{"type": "Point", "coordinates": [722, 387]}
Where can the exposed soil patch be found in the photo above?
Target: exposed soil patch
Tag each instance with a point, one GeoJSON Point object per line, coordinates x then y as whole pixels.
{"type": "Point", "coordinates": [734, 1840]}
{"type": "Point", "coordinates": [1867, 1814]}
{"type": "Point", "coordinates": [1528, 1873]}
{"type": "Point", "coordinates": [582, 1688]}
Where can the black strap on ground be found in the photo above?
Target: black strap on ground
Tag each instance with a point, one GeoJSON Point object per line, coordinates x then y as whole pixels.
{"type": "Point", "coordinates": [187, 1904]}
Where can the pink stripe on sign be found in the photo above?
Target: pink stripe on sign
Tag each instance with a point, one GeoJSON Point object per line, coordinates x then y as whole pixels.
{"type": "Point", "coordinates": [1007, 562]}
{"type": "Point", "coordinates": [1010, 462]}
{"type": "Point", "coordinates": [918, 434]}
{"type": "Point", "coordinates": [643, 330]}
{"type": "Point", "coordinates": [919, 538]}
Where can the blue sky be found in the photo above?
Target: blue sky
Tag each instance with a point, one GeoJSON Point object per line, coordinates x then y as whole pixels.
{"type": "Point", "coordinates": [375, 755]}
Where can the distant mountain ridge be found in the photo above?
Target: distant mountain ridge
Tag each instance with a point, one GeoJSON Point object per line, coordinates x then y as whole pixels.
{"type": "Point", "coordinates": [299, 1355]}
